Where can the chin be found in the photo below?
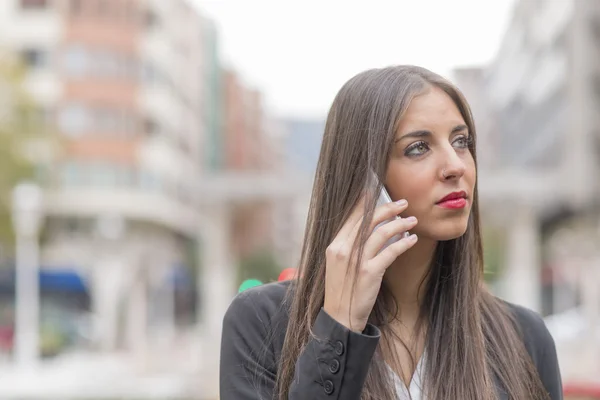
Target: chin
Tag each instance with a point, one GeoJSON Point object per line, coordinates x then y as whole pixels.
{"type": "Point", "coordinates": [447, 230]}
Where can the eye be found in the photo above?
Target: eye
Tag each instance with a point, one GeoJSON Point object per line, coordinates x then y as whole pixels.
{"type": "Point", "coordinates": [416, 149]}
{"type": "Point", "coordinates": [462, 142]}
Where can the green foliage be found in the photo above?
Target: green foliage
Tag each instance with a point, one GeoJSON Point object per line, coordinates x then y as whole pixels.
{"type": "Point", "coordinates": [493, 253]}
{"type": "Point", "coordinates": [23, 133]}
{"type": "Point", "coordinates": [260, 265]}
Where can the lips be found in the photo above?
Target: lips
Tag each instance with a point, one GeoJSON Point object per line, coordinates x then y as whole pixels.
{"type": "Point", "coordinates": [454, 201]}
{"type": "Point", "coordinates": [454, 196]}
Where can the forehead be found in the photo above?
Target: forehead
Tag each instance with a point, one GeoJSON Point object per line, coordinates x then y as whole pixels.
{"type": "Point", "coordinates": [432, 107]}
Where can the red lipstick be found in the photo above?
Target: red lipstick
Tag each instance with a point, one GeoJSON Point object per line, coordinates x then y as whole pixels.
{"type": "Point", "coordinates": [454, 200]}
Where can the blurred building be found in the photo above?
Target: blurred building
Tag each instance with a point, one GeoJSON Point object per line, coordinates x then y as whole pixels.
{"type": "Point", "coordinates": [299, 142]}
{"type": "Point", "coordinates": [536, 107]}
{"type": "Point", "coordinates": [213, 100]}
{"type": "Point", "coordinates": [544, 88]}
{"type": "Point", "coordinates": [472, 84]}
{"type": "Point", "coordinates": [303, 143]}
{"type": "Point", "coordinates": [145, 111]}
{"type": "Point", "coordinates": [171, 172]}
{"type": "Point", "coordinates": [252, 143]}
{"type": "Point", "coordinates": [133, 89]}
{"type": "Point", "coordinates": [247, 145]}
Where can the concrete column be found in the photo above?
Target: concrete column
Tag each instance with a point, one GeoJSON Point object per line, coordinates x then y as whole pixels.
{"type": "Point", "coordinates": [168, 304]}
{"type": "Point", "coordinates": [106, 291]}
{"type": "Point", "coordinates": [521, 279]}
{"type": "Point", "coordinates": [137, 319]}
{"type": "Point", "coordinates": [165, 306]}
{"type": "Point", "coordinates": [159, 261]}
{"type": "Point", "coordinates": [108, 277]}
{"type": "Point", "coordinates": [216, 290]}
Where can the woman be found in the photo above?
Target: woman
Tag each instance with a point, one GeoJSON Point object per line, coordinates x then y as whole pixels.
{"type": "Point", "coordinates": [408, 320]}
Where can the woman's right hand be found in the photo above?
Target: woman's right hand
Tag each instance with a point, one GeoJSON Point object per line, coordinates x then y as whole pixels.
{"type": "Point", "coordinates": [352, 308]}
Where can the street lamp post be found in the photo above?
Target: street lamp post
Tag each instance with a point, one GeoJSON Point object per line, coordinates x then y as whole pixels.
{"type": "Point", "coordinates": [27, 218]}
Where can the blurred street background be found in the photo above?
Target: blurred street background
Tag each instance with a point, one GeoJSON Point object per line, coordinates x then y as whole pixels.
{"type": "Point", "coordinates": [157, 156]}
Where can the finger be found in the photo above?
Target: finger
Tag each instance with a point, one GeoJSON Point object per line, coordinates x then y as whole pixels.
{"type": "Point", "coordinates": [388, 211]}
{"type": "Point", "coordinates": [384, 259]}
{"type": "Point", "coordinates": [385, 232]}
{"type": "Point", "coordinates": [382, 213]}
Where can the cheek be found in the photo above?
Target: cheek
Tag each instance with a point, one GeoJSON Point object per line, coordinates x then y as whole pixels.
{"type": "Point", "coordinates": [412, 184]}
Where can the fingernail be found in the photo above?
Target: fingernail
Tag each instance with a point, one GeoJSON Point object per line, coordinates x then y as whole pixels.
{"type": "Point", "coordinates": [401, 202]}
{"type": "Point", "coordinates": [411, 219]}
{"type": "Point", "coordinates": [412, 237]}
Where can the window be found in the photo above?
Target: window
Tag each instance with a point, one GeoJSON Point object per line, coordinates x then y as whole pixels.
{"type": "Point", "coordinates": [95, 173]}
{"type": "Point", "coordinates": [131, 69]}
{"type": "Point", "coordinates": [102, 174]}
{"type": "Point", "coordinates": [103, 63]}
{"type": "Point", "coordinates": [113, 65]}
{"type": "Point", "coordinates": [149, 182]}
{"type": "Point", "coordinates": [71, 174]}
{"type": "Point", "coordinates": [109, 64]}
{"type": "Point", "coordinates": [34, 4]}
{"type": "Point", "coordinates": [148, 73]}
{"type": "Point", "coordinates": [124, 176]}
{"type": "Point", "coordinates": [35, 58]}
{"type": "Point", "coordinates": [113, 121]}
{"type": "Point", "coordinates": [105, 120]}
{"type": "Point", "coordinates": [76, 61]}
{"type": "Point", "coordinates": [74, 119]}
{"type": "Point", "coordinates": [79, 61]}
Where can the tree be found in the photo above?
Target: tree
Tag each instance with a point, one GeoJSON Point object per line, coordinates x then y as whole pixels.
{"type": "Point", "coordinates": [23, 134]}
{"type": "Point", "coordinates": [260, 265]}
{"type": "Point", "coordinates": [494, 247]}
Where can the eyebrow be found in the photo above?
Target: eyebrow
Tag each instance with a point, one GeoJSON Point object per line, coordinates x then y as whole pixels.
{"type": "Point", "coordinates": [426, 133]}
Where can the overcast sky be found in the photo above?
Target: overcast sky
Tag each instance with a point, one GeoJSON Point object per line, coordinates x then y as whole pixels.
{"type": "Point", "coordinates": [299, 53]}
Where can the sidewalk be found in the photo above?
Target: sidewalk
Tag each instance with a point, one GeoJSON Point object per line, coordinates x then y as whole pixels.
{"type": "Point", "coordinates": [87, 375]}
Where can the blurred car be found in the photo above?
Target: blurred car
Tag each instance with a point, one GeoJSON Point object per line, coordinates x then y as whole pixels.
{"type": "Point", "coordinates": [582, 391]}
{"type": "Point", "coordinates": [7, 333]}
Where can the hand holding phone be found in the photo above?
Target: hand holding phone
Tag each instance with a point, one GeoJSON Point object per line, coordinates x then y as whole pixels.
{"type": "Point", "coordinates": [350, 301]}
{"type": "Point", "coordinates": [384, 198]}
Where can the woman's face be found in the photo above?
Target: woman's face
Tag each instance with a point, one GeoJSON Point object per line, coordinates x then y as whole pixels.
{"type": "Point", "coordinates": [430, 160]}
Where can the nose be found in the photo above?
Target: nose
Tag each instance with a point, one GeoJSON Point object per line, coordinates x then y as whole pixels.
{"type": "Point", "coordinates": [453, 166]}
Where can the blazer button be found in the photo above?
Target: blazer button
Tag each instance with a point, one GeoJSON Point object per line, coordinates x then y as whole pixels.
{"type": "Point", "coordinates": [339, 348]}
{"type": "Point", "coordinates": [334, 367]}
{"type": "Point", "coordinates": [328, 387]}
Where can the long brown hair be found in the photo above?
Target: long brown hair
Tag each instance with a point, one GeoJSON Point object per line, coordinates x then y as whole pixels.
{"type": "Point", "coordinates": [472, 342]}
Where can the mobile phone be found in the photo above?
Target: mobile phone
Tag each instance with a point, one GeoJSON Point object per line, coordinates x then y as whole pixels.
{"type": "Point", "coordinates": [384, 198]}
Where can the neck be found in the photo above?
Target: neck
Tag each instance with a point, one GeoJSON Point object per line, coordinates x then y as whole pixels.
{"type": "Point", "coordinates": [406, 279]}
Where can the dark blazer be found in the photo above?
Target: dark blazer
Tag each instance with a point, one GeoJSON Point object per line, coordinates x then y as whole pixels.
{"type": "Point", "coordinates": [333, 365]}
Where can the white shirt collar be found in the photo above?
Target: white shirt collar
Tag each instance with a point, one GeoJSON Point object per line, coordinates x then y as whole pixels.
{"type": "Point", "coordinates": [415, 383]}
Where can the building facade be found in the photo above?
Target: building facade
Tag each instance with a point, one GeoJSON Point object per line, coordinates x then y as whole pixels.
{"type": "Point", "coordinates": [125, 84]}
{"type": "Point", "coordinates": [541, 152]}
